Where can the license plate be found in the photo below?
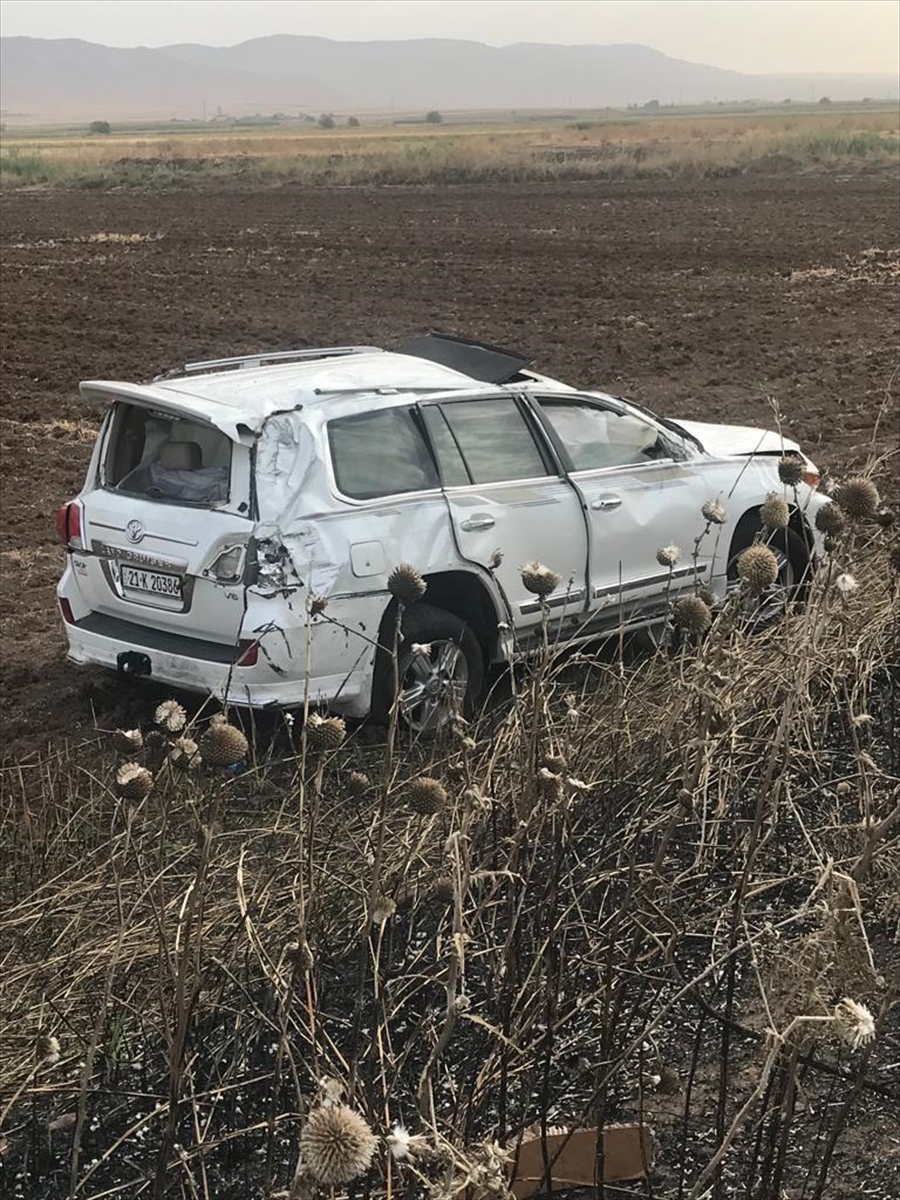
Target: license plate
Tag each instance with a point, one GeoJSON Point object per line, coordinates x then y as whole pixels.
{"type": "Point", "coordinates": [136, 579]}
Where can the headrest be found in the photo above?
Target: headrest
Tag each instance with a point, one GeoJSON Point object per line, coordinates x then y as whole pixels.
{"type": "Point", "coordinates": [180, 456]}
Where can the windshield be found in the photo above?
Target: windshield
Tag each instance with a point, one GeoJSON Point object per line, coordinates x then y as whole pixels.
{"type": "Point", "coordinates": [162, 457]}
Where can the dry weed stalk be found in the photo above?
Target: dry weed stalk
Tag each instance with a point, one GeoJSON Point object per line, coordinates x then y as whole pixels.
{"type": "Point", "coordinates": [617, 863]}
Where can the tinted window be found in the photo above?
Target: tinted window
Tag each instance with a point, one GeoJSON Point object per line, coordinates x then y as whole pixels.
{"type": "Point", "coordinates": [599, 437]}
{"type": "Point", "coordinates": [494, 439]}
{"type": "Point", "coordinates": [380, 454]}
{"type": "Point", "coordinates": [453, 468]}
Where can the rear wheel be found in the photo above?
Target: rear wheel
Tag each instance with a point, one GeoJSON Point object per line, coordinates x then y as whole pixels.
{"type": "Point", "coordinates": [440, 670]}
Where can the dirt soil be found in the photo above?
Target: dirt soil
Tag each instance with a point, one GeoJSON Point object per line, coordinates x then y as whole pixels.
{"type": "Point", "coordinates": [704, 299]}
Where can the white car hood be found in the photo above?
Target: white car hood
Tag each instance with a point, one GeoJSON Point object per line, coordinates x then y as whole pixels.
{"type": "Point", "coordinates": [737, 439]}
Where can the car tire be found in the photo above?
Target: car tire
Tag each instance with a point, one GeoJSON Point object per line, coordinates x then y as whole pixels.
{"type": "Point", "coordinates": [448, 678]}
{"type": "Point", "coordinates": [793, 575]}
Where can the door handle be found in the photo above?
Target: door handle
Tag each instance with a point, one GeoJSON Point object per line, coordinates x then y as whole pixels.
{"type": "Point", "coordinates": [479, 521]}
{"type": "Point", "coordinates": [607, 503]}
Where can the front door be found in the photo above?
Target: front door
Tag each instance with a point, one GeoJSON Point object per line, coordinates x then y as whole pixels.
{"type": "Point", "coordinates": [641, 493]}
{"type": "Point", "coordinates": [506, 496]}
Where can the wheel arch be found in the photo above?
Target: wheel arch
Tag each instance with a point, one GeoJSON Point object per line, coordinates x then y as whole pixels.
{"type": "Point", "coordinates": [465, 594]}
{"type": "Point", "coordinates": [750, 523]}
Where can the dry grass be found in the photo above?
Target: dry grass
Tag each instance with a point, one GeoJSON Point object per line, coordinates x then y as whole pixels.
{"type": "Point", "coordinates": [665, 869]}
{"type": "Point", "coordinates": [582, 149]}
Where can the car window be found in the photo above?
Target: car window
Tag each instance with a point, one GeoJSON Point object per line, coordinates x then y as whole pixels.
{"type": "Point", "coordinates": [597, 437]}
{"type": "Point", "coordinates": [494, 440]}
{"type": "Point", "coordinates": [452, 464]}
{"type": "Point", "coordinates": [380, 454]}
{"type": "Point", "coordinates": [162, 457]}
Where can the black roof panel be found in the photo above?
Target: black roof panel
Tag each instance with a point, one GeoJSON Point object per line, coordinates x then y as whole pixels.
{"type": "Point", "coordinates": [479, 360]}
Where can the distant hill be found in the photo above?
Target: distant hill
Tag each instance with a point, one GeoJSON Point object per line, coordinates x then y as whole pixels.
{"type": "Point", "coordinates": [47, 79]}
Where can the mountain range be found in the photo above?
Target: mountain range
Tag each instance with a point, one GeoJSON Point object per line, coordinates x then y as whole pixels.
{"type": "Point", "coordinates": [68, 79]}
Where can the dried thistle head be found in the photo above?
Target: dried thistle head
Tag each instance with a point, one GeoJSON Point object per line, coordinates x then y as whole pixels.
{"type": "Point", "coordinates": [706, 595]}
{"type": "Point", "coordinates": [774, 512]}
{"type": "Point", "coordinates": [358, 783]}
{"type": "Point", "coordinates": [540, 580]}
{"type": "Point", "coordinates": [830, 519]}
{"type": "Point", "coordinates": [758, 568]}
{"type": "Point", "coordinates": [133, 782]}
{"type": "Point", "coordinates": [185, 753]}
{"type": "Point", "coordinates": [170, 716]}
{"type": "Point", "coordinates": [406, 584]}
{"type": "Point", "coordinates": [668, 556]}
{"type": "Point", "coordinates": [495, 560]}
{"type": "Point", "coordinates": [854, 1023]}
{"type": "Point", "coordinates": [846, 584]}
{"type": "Point", "coordinates": [336, 1144]}
{"type": "Point", "coordinates": [692, 615]}
{"type": "Point", "coordinates": [714, 512]}
{"type": "Point", "coordinates": [128, 741]}
{"type": "Point", "coordinates": [223, 745]}
{"type": "Point", "coordinates": [885, 517]}
{"type": "Point", "coordinates": [324, 733]}
{"type": "Point", "coordinates": [317, 605]}
{"type": "Point", "coordinates": [894, 557]}
{"type": "Point", "coordinates": [790, 470]}
{"type": "Point", "coordinates": [426, 796]}
{"type": "Point", "coordinates": [47, 1049]}
{"type": "Point", "coordinates": [443, 889]}
{"type": "Point", "coordinates": [405, 1145]}
{"type": "Point", "coordinates": [549, 784]}
{"type": "Point", "coordinates": [858, 497]}
{"type": "Point", "coordinates": [382, 910]}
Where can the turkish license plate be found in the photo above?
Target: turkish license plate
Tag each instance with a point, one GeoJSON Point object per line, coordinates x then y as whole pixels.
{"type": "Point", "coordinates": [157, 583]}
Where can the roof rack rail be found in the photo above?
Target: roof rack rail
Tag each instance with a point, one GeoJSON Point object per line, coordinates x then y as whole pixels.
{"type": "Point", "coordinates": [257, 360]}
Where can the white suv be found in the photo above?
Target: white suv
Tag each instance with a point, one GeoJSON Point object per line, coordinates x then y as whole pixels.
{"type": "Point", "coordinates": [225, 505]}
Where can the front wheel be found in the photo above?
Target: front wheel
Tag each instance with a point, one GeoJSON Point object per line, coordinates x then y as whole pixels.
{"type": "Point", "coordinates": [440, 670]}
{"type": "Point", "coordinates": [792, 557]}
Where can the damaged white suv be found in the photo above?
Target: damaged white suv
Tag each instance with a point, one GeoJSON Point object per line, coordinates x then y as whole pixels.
{"type": "Point", "coordinates": [226, 505]}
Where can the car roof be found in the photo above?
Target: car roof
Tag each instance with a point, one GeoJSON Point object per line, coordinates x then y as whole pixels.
{"type": "Point", "coordinates": [245, 397]}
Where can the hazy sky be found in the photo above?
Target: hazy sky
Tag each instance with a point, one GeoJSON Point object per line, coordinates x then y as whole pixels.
{"type": "Point", "coordinates": [745, 35]}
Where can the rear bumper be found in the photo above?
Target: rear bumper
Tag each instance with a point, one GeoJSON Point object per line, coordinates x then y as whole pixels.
{"type": "Point", "coordinates": [208, 667]}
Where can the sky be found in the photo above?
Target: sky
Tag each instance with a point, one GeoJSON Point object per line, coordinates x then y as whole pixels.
{"type": "Point", "coordinates": [757, 36]}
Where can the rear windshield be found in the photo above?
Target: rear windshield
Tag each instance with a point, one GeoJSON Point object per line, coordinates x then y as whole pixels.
{"type": "Point", "coordinates": [161, 457]}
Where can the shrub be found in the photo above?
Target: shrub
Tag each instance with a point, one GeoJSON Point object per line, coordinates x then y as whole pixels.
{"type": "Point", "coordinates": [99, 127]}
{"type": "Point", "coordinates": [326, 121]}
{"type": "Point", "coordinates": [353, 122]}
{"type": "Point", "coordinates": [433, 117]}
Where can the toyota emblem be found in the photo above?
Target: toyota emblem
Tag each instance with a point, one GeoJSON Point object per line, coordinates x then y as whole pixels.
{"type": "Point", "coordinates": [134, 531]}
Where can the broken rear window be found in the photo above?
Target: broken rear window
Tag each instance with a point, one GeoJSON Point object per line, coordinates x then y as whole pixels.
{"type": "Point", "coordinates": [162, 457]}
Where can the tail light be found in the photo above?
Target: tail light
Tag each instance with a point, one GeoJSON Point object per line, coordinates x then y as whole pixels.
{"type": "Point", "coordinates": [247, 653]}
{"type": "Point", "coordinates": [68, 523]}
{"type": "Point", "coordinates": [228, 566]}
{"type": "Point", "coordinates": [66, 609]}
{"type": "Point", "coordinates": [812, 478]}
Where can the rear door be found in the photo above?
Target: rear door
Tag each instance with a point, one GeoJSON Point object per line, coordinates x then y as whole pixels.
{"type": "Point", "coordinates": [641, 490]}
{"type": "Point", "coordinates": [166, 525]}
{"type": "Point", "coordinates": [505, 493]}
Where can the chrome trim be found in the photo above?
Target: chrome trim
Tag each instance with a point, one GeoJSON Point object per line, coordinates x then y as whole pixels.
{"type": "Point", "coordinates": [160, 537]}
{"type": "Point", "coordinates": [139, 557]}
{"type": "Point", "coordinates": [558, 601]}
{"type": "Point", "coordinates": [651, 580]}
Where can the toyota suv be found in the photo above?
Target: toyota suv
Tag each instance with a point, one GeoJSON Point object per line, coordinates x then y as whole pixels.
{"type": "Point", "coordinates": [241, 518]}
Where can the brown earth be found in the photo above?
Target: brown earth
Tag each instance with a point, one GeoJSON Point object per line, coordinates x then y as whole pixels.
{"type": "Point", "coordinates": [704, 299]}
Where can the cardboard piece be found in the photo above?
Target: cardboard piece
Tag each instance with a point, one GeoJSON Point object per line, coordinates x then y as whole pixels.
{"type": "Point", "coordinates": [627, 1154]}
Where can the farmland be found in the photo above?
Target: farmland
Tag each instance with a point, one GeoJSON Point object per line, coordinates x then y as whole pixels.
{"type": "Point", "coordinates": [715, 853]}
